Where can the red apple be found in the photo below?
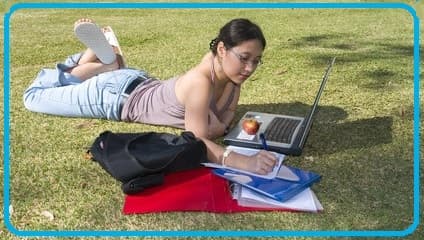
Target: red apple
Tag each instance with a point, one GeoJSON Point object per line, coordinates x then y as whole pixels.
{"type": "Point", "coordinates": [250, 126]}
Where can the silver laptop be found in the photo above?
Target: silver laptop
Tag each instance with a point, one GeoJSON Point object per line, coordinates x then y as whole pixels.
{"type": "Point", "coordinates": [283, 133]}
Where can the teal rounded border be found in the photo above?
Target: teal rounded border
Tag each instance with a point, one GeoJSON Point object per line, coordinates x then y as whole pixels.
{"type": "Point", "coordinates": [262, 233]}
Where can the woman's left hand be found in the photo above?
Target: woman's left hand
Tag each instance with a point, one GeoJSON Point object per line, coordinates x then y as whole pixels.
{"type": "Point", "coordinates": [215, 127]}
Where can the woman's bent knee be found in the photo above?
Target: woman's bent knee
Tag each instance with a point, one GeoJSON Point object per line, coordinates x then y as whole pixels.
{"type": "Point", "coordinates": [28, 99]}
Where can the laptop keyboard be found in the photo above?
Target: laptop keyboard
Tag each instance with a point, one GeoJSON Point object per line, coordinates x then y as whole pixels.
{"type": "Point", "coordinates": [281, 129]}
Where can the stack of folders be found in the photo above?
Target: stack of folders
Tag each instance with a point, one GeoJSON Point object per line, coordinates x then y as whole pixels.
{"type": "Point", "coordinates": [285, 187]}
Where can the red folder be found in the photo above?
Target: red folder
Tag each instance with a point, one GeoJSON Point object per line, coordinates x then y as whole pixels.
{"type": "Point", "coordinates": [192, 190]}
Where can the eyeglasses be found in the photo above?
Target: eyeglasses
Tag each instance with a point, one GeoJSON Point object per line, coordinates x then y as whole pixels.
{"type": "Point", "coordinates": [245, 60]}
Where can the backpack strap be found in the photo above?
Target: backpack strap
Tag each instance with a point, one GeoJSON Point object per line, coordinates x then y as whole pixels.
{"type": "Point", "coordinates": [138, 184]}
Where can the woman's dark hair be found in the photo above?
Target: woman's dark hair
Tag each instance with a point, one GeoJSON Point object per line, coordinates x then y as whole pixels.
{"type": "Point", "coordinates": [235, 32]}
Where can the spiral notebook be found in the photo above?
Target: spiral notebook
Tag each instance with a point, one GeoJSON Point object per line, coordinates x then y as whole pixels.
{"type": "Point", "coordinates": [279, 188]}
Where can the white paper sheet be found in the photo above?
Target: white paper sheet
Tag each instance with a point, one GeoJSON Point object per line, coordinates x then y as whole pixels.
{"type": "Point", "coordinates": [304, 201]}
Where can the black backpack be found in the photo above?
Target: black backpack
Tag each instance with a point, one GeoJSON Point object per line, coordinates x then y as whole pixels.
{"type": "Point", "coordinates": [140, 160]}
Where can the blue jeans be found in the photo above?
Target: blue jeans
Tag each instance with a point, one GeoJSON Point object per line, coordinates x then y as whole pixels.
{"type": "Point", "coordinates": [56, 92]}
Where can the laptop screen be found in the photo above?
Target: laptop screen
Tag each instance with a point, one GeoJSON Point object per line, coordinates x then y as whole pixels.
{"type": "Point", "coordinates": [308, 121]}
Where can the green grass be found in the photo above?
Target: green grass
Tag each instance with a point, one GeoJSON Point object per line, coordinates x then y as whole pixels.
{"type": "Point", "coordinates": [361, 141]}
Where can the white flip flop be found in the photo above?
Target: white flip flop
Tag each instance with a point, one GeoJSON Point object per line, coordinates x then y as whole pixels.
{"type": "Point", "coordinates": [113, 41]}
{"type": "Point", "coordinates": [92, 37]}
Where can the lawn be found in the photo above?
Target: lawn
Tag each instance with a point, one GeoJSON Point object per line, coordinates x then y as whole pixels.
{"type": "Point", "coordinates": [361, 141]}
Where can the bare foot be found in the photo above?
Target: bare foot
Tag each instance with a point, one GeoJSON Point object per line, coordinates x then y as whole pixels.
{"type": "Point", "coordinates": [83, 20]}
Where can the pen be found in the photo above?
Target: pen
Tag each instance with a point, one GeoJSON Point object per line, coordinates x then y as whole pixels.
{"type": "Point", "coordinates": [264, 145]}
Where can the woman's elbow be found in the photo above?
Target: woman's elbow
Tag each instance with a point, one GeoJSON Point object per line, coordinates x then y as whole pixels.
{"type": "Point", "coordinates": [200, 133]}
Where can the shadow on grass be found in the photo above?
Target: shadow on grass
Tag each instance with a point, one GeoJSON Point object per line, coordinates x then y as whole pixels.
{"type": "Point", "coordinates": [359, 51]}
{"type": "Point", "coordinates": [332, 41]}
{"type": "Point", "coordinates": [327, 135]}
{"type": "Point", "coordinates": [360, 134]}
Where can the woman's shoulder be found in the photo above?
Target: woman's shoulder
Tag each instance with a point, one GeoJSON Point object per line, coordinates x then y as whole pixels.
{"type": "Point", "coordinates": [194, 79]}
{"type": "Point", "coordinates": [194, 83]}
{"type": "Point", "coordinates": [200, 75]}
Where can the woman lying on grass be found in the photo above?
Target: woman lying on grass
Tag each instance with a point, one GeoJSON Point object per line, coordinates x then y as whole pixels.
{"type": "Point", "coordinates": [97, 84]}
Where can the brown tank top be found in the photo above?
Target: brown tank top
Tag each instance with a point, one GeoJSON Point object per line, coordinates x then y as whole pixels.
{"type": "Point", "coordinates": [155, 102]}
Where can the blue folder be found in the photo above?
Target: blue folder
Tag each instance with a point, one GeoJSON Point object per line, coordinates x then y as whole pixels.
{"type": "Point", "coordinates": [277, 188]}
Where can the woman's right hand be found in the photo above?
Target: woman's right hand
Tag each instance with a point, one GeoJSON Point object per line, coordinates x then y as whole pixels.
{"type": "Point", "coordinates": [262, 162]}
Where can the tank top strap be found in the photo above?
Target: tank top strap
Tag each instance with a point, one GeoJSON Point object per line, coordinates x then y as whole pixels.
{"type": "Point", "coordinates": [212, 72]}
{"type": "Point", "coordinates": [212, 104]}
